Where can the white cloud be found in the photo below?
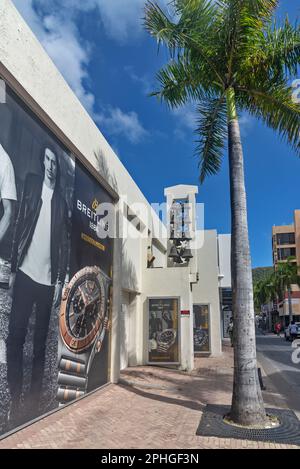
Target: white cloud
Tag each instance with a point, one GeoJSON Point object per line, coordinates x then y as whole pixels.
{"type": "Point", "coordinates": [179, 134]}
{"type": "Point", "coordinates": [187, 116]}
{"type": "Point", "coordinates": [59, 36]}
{"type": "Point", "coordinates": [127, 125]}
{"type": "Point", "coordinates": [54, 25]}
{"type": "Point", "coordinates": [246, 124]}
{"type": "Point", "coordinates": [123, 19]}
{"type": "Point", "coordinates": [120, 18]}
{"type": "Point", "coordinates": [62, 44]}
{"type": "Point", "coordinates": [143, 81]}
{"type": "Point", "coordinates": [26, 9]}
{"type": "Point", "coordinates": [186, 120]}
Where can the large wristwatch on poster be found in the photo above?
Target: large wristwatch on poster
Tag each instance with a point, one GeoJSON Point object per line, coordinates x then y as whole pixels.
{"type": "Point", "coordinates": [200, 337]}
{"type": "Point", "coordinates": [165, 340]}
{"type": "Point", "coordinates": [83, 322]}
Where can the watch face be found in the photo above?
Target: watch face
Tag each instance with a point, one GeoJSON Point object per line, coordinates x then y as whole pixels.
{"type": "Point", "coordinates": [167, 338]}
{"type": "Point", "coordinates": [200, 337]}
{"type": "Point", "coordinates": [83, 309]}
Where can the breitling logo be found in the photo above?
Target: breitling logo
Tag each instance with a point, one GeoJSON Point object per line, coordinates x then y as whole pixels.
{"type": "Point", "coordinates": [90, 213]}
{"type": "Point", "coordinates": [95, 204]}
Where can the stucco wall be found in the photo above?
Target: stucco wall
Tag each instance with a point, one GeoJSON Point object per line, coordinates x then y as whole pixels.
{"type": "Point", "coordinates": [206, 291]}
{"type": "Point", "coordinates": [224, 250]}
{"type": "Point", "coordinates": [169, 282]}
{"type": "Point", "coordinates": [29, 71]}
{"type": "Point", "coordinates": [32, 74]}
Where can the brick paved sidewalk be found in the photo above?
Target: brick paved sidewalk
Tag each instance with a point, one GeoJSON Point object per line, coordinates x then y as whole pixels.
{"type": "Point", "coordinates": [151, 408]}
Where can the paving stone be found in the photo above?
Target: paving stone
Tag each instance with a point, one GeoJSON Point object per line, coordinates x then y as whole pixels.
{"type": "Point", "coordinates": [154, 408]}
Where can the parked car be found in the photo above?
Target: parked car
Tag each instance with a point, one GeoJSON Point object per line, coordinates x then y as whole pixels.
{"type": "Point", "coordinates": [287, 334]}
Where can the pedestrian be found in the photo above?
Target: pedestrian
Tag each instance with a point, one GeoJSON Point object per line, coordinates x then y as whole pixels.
{"type": "Point", "coordinates": [230, 330]}
{"type": "Point", "coordinates": [278, 328]}
{"type": "Point", "coordinates": [293, 330]}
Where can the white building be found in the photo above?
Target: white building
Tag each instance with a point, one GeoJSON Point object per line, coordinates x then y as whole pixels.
{"type": "Point", "coordinates": [224, 251]}
{"type": "Point", "coordinates": [139, 282]}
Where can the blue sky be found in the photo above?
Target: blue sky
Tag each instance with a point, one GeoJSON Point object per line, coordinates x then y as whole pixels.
{"type": "Point", "coordinates": [110, 62]}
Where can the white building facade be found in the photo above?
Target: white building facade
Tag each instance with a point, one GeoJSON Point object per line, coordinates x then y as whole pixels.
{"type": "Point", "coordinates": [156, 304]}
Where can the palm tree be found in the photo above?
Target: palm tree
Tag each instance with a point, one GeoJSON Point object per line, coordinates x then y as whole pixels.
{"type": "Point", "coordinates": [261, 293]}
{"type": "Point", "coordinates": [228, 56]}
{"type": "Point", "coordinates": [287, 274]}
{"type": "Point", "coordinates": [266, 290]}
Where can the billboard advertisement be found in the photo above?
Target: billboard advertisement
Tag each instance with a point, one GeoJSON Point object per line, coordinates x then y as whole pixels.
{"type": "Point", "coordinates": [201, 328]}
{"type": "Point", "coordinates": [55, 272]}
{"type": "Point", "coordinates": [163, 330]}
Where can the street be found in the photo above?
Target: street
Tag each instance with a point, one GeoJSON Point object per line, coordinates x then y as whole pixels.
{"type": "Point", "coordinates": [275, 357]}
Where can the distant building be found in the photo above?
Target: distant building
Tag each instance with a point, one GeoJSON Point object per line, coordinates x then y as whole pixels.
{"type": "Point", "coordinates": [285, 244]}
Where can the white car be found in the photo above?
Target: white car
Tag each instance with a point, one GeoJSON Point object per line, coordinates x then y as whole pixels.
{"type": "Point", "coordinates": [287, 334]}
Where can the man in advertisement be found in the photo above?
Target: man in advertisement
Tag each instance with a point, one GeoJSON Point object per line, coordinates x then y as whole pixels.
{"type": "Point", "coordinates": [39, 265]}
{"type": "Point", "coordinates": [8, 193]}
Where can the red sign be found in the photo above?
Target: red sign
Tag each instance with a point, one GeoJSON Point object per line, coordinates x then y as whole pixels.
{"type": "Point", "coordinates": [185, 312]}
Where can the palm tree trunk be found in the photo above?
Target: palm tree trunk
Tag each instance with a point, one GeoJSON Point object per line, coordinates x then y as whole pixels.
{"type": "Point", "coordinates": [290, 304]}
{"type": "Point", "coordinates": [247, 404]}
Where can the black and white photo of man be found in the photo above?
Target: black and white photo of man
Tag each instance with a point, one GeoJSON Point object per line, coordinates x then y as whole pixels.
{"type": "Point", "coordinates": [8, 193]}
{"type": "Point", "coordinates": [38, 265]}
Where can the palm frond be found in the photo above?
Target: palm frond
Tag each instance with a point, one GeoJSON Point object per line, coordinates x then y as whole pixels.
{"type": "Point", "coordinates": [287, 274]}
{"type": "Point", "coordinates": [245, 22]}
{"type": "Point", "coordinates": [281, 49]}
{"type": "Point", "coordinates": [221, 44]}
{"type": "Point", "coordinates": [273, 104]}
{"type": "Point", "coordinates": [262, 9]}
{"type": "Point", "coordinates": [181, 81]}
{"type": "Point", "coordinates": [193, 31]}
{"type": "Point", "coordinates": [195, 16]}
{"type": "Point", "coordinates": [191, 21]}
{"type": "Point", "coordinates": [229, 31]}
{"type": "Point", "coordinates": [212, 132]}
{"type": "Point", "coordinates": [160, 26]}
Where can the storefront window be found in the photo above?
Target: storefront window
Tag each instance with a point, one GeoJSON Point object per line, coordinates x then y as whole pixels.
{"type": "Point", "coordinates": [58, 267]}
{"type": "Point", "coordinates": [201, 328]}
{"type": "Point", "coordinates": [163, 330]}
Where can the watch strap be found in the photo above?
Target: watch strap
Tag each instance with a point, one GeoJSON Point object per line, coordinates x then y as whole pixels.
{"type": "Point", "coordinates": [73, 368]}
{"type": "Point", "coordinates": [72, 379]}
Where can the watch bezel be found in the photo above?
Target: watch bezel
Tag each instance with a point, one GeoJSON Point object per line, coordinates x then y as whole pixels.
{"type": "Point", "coordinates": [169, 343]}
{"type": "Point", "coordinates": [78, 345]}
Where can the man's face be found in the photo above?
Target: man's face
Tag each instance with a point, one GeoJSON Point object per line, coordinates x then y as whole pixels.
{"type": "Point", "coordinates": [50, 165]}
